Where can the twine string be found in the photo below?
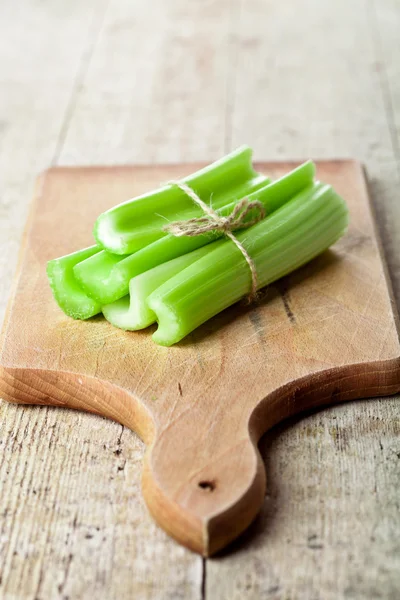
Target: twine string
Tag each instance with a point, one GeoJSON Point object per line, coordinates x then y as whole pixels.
{"type": "Point", "coordinates": [212, 221]}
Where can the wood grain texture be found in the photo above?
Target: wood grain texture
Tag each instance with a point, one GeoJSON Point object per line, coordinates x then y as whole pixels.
{"type": "Point", "coordinates": [35, 96]}
{"type": "Point", "coordinates": [169, 54]}
{"type": "Point", "coordinates": [322, 335]}
{"type": "Point", "coordinates": [76, 538]}
{"type": "Point", "coordinates": [336, 44]}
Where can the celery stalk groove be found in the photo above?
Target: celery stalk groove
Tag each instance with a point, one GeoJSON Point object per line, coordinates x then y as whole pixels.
{"type": "Point", "coordinates": [132, 311]}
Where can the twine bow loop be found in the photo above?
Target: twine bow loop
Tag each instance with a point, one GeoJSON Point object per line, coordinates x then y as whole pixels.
{"type": "Point", "coordinates": [212, 221]}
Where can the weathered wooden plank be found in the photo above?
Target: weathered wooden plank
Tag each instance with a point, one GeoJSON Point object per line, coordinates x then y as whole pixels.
{"type": "Point", "coordinates": [308, 82]}
{"type": "Point", "coordinates": [73, 521]}
{"type": "Point", "coordinates": [41, 45]}
{"type": "Point", "coordinates": [156, 89]}
{"type": "Point", "coordinates": [385, 24]}
{"type": "Point", "coordinates": [134, 98]}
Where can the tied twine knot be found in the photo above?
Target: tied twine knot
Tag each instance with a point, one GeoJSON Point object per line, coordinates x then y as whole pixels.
{"type": "Point", "coordinates": [212, 221]}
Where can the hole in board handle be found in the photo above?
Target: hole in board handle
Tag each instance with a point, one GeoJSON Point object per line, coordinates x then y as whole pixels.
{"type": "Point", "coordinates": [208, 486]}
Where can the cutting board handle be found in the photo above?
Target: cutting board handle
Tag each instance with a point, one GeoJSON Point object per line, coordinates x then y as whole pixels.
{"type": "Point", "coordinates": [219, 496]}
{"type": "Point", "coordinates": [205, 495]}
{"type": "Point", "coordinates": [203, 482]}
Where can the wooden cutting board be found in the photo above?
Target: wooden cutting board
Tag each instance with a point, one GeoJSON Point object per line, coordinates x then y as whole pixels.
{"type": "Point", "coordinates": [325, 334]}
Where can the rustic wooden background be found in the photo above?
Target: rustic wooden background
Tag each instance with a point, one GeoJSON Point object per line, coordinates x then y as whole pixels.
{"type": "Point", "coordinates": [145, 81]}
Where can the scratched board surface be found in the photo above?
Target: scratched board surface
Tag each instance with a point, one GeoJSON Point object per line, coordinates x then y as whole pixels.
{"type": "Point", "coordinates": [326, 333]}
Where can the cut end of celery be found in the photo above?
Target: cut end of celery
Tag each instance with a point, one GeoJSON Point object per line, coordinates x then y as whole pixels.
{"type": "Point", "coordinates": [169, 329]}
{"type": "Point", "coordinates": [68, 294]}
{"type": "Point", "coordinates": [127, 315]}
{"type": "Point", "coordinates": [117, 313]}
{"type": "Point", "coordinates": [99, 279]}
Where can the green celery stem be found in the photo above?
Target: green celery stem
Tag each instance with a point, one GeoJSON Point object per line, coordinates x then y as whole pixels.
{"type": "Point", "coordinates": [294, 234]}
{"type": "Point", "coordinates": [132, 311]}
{"type": "Point", "coordinates": [105, 277]}
{"type": "Point", "coordinates": [130, 226]}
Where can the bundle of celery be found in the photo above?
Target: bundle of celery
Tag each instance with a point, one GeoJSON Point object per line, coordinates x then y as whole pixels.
{"type": "Point", "coordinates": [138, 273]}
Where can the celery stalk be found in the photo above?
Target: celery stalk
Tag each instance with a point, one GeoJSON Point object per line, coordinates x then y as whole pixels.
{"type": "Point", "coordinates": [132, 225]}
{"type": "Point", "coordinates": [132, 311]}
{"type": "Point", "coordinates": [66, 290]}
{"type": "Point", "coordinates": [106, 277]}
{"type": "Point", "coordinates": [294, 234]}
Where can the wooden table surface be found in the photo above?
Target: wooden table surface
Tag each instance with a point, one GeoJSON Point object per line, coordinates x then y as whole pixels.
{"type": "Point", "coordinates": [146, 81]}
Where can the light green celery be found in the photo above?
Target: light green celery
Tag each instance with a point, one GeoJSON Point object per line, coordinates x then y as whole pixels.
{"type": "Point", "coordinates": [132, 225]}
{"type": "Point", "coordinates": [132, 311]}
{"type": "Point", "coordinates": [106, 277]}
{"type": "Point", "coordinates": [98, 276]}
{"type": "Point", "coordinates": [104, 280]}
{"type": "Point", "coordinates": [66, 290]}
{"type": "Point", "coordinates": [294, 234]}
